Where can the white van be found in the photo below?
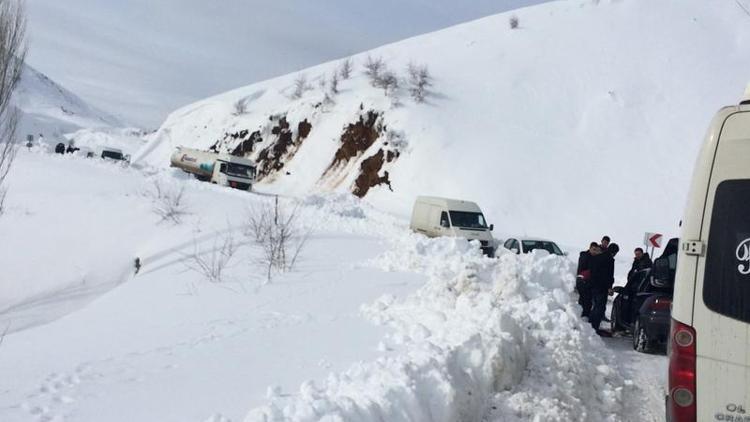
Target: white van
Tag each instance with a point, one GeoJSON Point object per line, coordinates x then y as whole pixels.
{"type": "Point", "coordinates": [436, 217]}
{"type": "Point", "coordinates": [709, 356]}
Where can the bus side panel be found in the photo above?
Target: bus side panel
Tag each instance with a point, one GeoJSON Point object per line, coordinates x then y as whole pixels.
{"type": "Point", "coordinates": [720, 304]}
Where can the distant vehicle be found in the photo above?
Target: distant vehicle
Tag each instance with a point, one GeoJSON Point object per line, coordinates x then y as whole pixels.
{"type": "Point", "coordinates": [526, 245]}
{"type": "Point", "coordinates": [435, 217]}
{"type": "Point", "coordinates": [220, 169]}
{"type": "Point", "coordinates": [709, 364]}
{"type": "Point", "coordinates": [85, 152]}
{"type": "Point", "coordinates": [642, 306]}
{"type": "Point", "coordinates": [115, 154]}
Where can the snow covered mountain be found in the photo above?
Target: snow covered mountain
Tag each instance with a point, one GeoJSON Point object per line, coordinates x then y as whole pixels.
{"type": "Point", "coordinates": [584, 120]}
{"type": "Point", "coordinates": [49, 109]}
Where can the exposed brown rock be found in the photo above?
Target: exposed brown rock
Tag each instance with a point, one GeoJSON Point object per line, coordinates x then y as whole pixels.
{"type": "Point", "coordinates": [272, 158]}
{"type": "Point", "coordinates": [368, 175]}
{"type": "Point", "coordinates": [245, 146]}
{"type": "Point", "coordinates": [357, 137]}
{"type": "Point", "coordinates": [303, 130]}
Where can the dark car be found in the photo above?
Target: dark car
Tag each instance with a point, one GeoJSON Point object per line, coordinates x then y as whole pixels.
{"type": "Point", "coordinates": [643, 306]}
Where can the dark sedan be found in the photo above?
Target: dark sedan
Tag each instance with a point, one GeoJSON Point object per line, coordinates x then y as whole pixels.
{"type": "Point", "coordinates": [643, 306]}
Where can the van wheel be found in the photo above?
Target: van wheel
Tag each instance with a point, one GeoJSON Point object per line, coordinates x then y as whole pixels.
{"type": "Point", "coordinates": [641, 342]}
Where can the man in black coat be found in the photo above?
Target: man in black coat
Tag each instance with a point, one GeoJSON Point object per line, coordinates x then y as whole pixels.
{"type": "Point", "coordinates": [641, 261]}
{"type": "Point", "coordinates": [583, 277]}
{"type": "Point", "coordinates": [602, 279]}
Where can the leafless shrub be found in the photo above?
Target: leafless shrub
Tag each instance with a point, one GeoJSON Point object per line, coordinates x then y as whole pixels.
{"type": "Point", "coordinates": [419, 80]}
{"type": "Point", "coordinates": [346, 68]}
{"type": "Point", "coordinates": [334, 83]}
{"type": "Point", "coordinates": [513, 22]}
{"type": "Point", "coordinates": [276, 229]}
{"type": "Point", "coordinates": [300, 87]}
{"type": "Point", "coordinates": [212, 264]}
{"type": "Point", "coordinates": [12, 56]}
{"type": "Point", "coordinates": [389, 82]}
{"type": "Point", "coordinates": [240, 107]}
{"type": "Point", "coordinates": [373, 68]}
{"type": "Point", "coordinates": [168, 203]}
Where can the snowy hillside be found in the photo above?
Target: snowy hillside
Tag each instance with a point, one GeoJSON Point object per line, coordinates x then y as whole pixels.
{"type": "Point", "coordinates": [49, 109]}
{"type": "Point", "coordinates": [584, 120]}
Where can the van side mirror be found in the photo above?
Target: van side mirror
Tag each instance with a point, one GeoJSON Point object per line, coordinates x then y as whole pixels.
{"type": "Point", "coordinates": [492, 227]}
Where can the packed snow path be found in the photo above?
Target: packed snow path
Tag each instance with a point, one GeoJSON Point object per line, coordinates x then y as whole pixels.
{"type": "Point", "coordinates": [648, 374]}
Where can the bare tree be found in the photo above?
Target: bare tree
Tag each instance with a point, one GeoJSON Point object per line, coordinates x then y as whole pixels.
{"type": "Point", "coordinates": [212, 264]}
{"type": "Point", "coordinates": [12, 56]}
{"type": "Point", "coordinates": [276, 229]}
{"type": "Point", "coordinates": [240, 107]}
{"type": "Point", "coordinates": [346, 68]}
{"type": "Point", "coordinates": [373, 68]}
{"type": "Point", "coordinates": [513, 22]}
{"type": "Point", "coordinates": [334, 83]}
{"type": "Point", "coordinates": [389, 82]}
{"type": "Point", "coordinates": [300, 86]}
{"type": "Point", "coordinates": [168, 203]}
{"type": "Point", "coordinates": [419, 80]}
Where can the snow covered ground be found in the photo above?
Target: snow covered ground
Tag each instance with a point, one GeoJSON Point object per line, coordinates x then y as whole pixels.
{"type": "Point", "coordinates": [374, 323]}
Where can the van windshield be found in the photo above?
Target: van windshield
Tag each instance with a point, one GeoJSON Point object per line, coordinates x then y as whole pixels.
{"type": "Point", "coordinates": [468, 220]}
{"type": "Point", "coordinates": [726, 282]}
{"type": "Point", "coordinates": [239, 170]}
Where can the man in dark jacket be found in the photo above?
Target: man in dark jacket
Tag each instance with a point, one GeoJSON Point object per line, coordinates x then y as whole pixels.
{"type": "Point", "coordinates": [583, 277]}
{"type": "Point", "coordinates": [641, 261]}
{"type": "Point", "coordinates": [602, 279]}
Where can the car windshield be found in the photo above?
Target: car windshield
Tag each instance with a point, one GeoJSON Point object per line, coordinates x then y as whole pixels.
{"type": "Point", "coordinates": [112, 154]}
{"type": "Point", "coordinates": [530, 245]}
{"type": "Point", "coordinates": [468, 220]}
{"type": "Point", "coordinates": [239, 170]}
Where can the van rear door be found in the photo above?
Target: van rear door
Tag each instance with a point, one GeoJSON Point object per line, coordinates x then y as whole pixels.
{"type": "Point", "coordinates": [721, 310]}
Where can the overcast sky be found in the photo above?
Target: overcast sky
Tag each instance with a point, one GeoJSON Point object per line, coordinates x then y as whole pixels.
{"type": "Point", "coordinates": [141, 59]}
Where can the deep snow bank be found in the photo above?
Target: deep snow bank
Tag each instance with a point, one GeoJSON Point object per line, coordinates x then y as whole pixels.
{"type": "Point", "coordinates": [482, 340]}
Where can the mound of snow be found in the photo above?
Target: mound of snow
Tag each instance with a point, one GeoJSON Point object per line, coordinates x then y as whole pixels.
{"type": "Point", "coordinates": [484, 339]}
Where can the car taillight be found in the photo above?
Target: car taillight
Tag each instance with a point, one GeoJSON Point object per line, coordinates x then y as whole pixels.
{"type": "Point", "coordinates": [661, 304]}
{"type": "Point", "coordinates": [682, 358]}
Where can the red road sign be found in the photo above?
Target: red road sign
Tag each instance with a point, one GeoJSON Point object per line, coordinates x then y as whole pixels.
{"type": "Point", "coordinates": [653, 240]}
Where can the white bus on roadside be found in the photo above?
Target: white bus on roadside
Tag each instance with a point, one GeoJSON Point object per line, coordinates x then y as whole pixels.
{"type": "Point", "coordinates": [709, 346]}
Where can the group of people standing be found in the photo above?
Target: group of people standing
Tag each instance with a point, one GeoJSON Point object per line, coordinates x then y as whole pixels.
{"type": "Point", "coordinates": [594, 280]}
{"type": "Point", "coordinates": [596, 275]}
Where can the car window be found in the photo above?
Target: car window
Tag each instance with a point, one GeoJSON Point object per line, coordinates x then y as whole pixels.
{"type": "Point", "coordinates": [726, 282]}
